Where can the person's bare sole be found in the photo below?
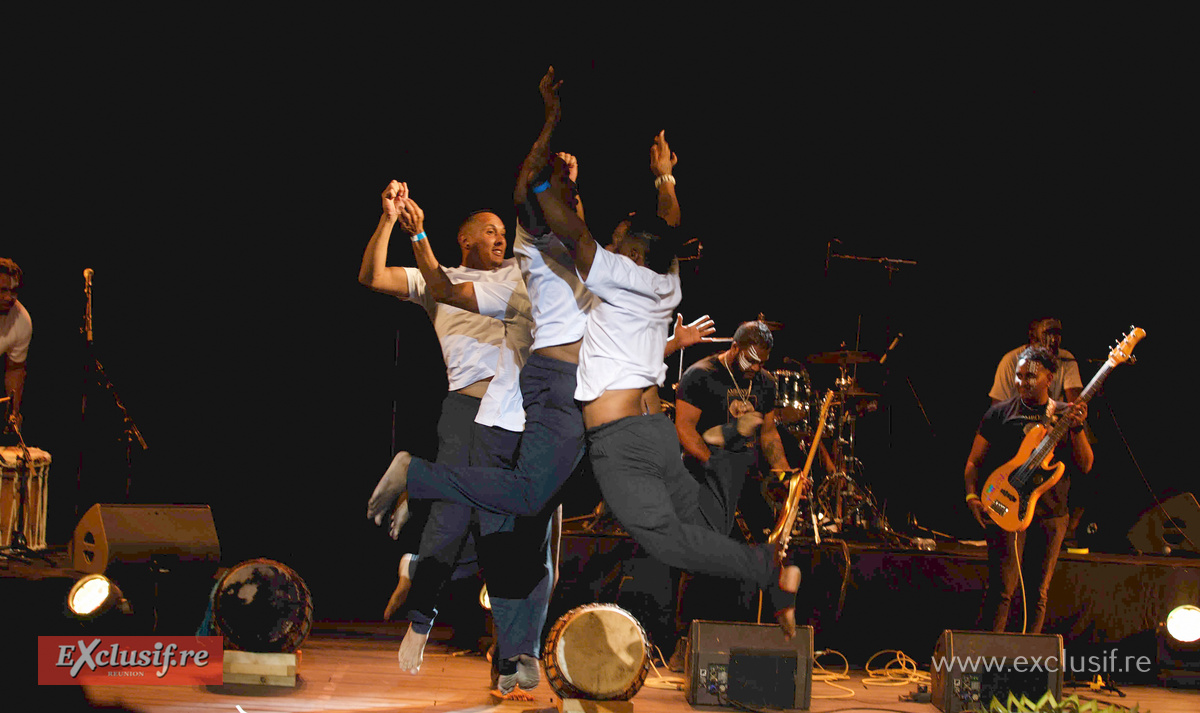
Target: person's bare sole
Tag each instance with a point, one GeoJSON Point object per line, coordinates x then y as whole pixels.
{"type": "Point", "coordinates": [389, 489]}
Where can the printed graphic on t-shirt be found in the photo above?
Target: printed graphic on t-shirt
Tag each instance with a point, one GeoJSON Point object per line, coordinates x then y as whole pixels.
{"type": "Point", "coordinates": [736, 405]}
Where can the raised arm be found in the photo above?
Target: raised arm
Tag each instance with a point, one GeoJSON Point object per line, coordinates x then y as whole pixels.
{"type": "Point", "coordinates": [662, 162]}
{"type": "Point", "coordinates": [374, 272]}
{"type": "Point", "coordinates": [462, 294]}
{"type": "Point", "coordinates": [555, 202]}
{"type": "Point", "coordinates": [535, 161]}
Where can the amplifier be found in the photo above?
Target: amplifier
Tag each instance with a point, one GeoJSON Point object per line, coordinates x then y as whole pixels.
{"type": "Point", "coordinates": [969, 668]}
{"type": "Point", "coordinates": [732, 663]}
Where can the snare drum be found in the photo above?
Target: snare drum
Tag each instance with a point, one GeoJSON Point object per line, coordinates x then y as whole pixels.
{"type": "Point", "coordinates": [793, 395]}
{"type": "Point", "coordinates": [597, 652]}
{"type": "Point", "coordinates": [34, 477]}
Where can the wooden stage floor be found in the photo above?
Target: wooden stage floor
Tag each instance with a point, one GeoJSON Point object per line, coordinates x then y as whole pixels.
{"type": "Point", "coordinates": [352, 667]}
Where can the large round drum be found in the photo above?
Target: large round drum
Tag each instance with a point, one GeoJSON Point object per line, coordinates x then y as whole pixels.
{"type": "Point", "coordinates": [262, 605]}
{"type": "Point", "coordinates": [597, 652]}
{"type": "Point", "coordinates": [34, 477]}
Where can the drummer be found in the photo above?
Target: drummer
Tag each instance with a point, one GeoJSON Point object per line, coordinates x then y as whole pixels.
{"type": "Point", "coordinates": [725, 413]}
{"type": "Point", "coordinates": [16, 331]}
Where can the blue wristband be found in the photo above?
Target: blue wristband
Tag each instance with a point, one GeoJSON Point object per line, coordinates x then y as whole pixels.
{"type": "Point", "coordinates": [418, 237]}
{"type": "Point", "coordinates": [541, 187]}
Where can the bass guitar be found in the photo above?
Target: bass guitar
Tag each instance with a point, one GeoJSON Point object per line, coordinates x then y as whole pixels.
{"type": "Point", "coordinates": [799, 483]}
{"type": "Point", "coordinates": [1012, 490]}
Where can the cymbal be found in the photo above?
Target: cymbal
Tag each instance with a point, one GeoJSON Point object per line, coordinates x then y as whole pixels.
{"type": "Point", "coordinates": [842, 357]}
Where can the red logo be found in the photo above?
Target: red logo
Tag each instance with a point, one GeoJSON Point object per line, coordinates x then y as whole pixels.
{"type": "Point", "coordinates": [113, 660]}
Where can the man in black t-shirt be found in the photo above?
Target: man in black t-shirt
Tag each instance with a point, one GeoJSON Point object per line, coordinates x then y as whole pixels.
{"type": "Point", "coordinates": [724, 406]}
{"type": "Point", "coordinates": [1035, 550]}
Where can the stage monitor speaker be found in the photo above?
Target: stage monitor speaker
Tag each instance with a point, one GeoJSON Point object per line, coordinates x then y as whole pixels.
{"type": "Point", "coordinates": [969, 668]}
{"type": "Point", "coordinates": [732, 663]}
{"type": "Point", "coordinates": [1159, 531]}
{"type": "Point", "coordinates": [110, 534]}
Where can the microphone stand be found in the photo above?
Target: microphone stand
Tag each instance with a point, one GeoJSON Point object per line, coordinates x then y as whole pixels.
{"type": "Point", "coordinates": [93, 373]}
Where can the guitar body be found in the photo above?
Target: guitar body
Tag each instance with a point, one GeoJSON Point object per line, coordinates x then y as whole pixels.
{"type": "Point", "coordinates": [1011, 505]}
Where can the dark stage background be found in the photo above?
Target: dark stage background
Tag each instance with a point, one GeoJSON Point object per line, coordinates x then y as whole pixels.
{"type": "Point", "coordinates": [222, 185]}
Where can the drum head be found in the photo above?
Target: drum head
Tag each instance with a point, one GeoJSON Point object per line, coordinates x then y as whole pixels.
{"type": "Point", "coordinates": [601, 651]}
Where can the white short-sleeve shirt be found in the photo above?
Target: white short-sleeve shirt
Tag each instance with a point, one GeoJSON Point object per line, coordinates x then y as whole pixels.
{"type": "Point", "coordinates": [560, 301]}
{"type": "Point", "coordinates": [16, 332]}
{"type": "Point", "coordinates": [627, 329]}
{"type": "Point", "coordinates": [479, 346]}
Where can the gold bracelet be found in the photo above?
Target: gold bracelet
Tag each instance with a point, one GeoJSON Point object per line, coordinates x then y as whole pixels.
{"type": "Point", "coordinates": [972, 496]}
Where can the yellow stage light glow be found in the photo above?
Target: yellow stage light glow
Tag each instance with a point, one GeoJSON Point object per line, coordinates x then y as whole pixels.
{"type": "Point", "coordinates": [1183, 623]}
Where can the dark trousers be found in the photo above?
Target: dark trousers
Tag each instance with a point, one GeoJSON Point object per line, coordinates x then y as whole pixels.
{"type": "Point", "coordinates": [1036, 548]}
{"type": "Point", "coordinates": [551, 447]}
{"type": "Point", "coordinates": [447, 550]}
{"type": "Point", "coordinates": [679, 521]}
{"type": "Point", "coordinates": [725, 476]}
{"type": "Point", "coordinates": [514, 551]}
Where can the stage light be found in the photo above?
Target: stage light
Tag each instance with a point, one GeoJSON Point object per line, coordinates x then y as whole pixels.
{"type": "Point", "coordinates": [1183, 623]}
{"type": "Point", "coordinates": [94, 595]}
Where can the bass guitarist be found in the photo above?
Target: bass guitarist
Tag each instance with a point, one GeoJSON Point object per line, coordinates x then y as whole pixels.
{"type": "Point", "coordinates": [1033, 552]}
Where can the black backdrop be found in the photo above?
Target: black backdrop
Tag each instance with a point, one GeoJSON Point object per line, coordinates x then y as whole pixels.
{"type": "Point", "coordinates": [221, 176]}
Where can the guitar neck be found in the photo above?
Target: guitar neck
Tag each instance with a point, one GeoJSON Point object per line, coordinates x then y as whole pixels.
{"type": "Point", "coordinates": [1060, 429]}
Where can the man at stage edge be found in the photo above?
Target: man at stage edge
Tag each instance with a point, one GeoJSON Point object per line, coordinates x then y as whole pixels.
{"type": "Point", "coordinates": [16, 332]}
{"type": "Point", "coordinates": [1035, 550]}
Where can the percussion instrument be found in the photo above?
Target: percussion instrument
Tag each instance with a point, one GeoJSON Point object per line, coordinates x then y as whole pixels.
{"type": "Point", "coordinates": [34, 477]}
{"type": "Point", "coordinates": [597, 652]}
{"type": "Point", "coordinates": [262, 605]}
{"type": "Point", "coordinates": [793, 396]}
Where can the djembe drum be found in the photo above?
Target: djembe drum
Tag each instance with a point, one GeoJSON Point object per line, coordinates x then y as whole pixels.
{"type": "Point", "coordinates": [32, 476]}
{"type": "Point", "coordinates": [597, 652]}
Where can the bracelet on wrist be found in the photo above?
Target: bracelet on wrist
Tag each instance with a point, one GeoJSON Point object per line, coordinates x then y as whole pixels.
{"type": "Point", "coordinates": [541, 187]}
{"type": "Point", "coordinates": [665, 178]}
{"type": "Point", "coordinates": [972, 496]}
{"type": "Point", "coordinates": [419, 237]}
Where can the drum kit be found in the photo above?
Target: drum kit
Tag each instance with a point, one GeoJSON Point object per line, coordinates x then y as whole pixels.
{"type": "Point", "coordinates": [841, 501]}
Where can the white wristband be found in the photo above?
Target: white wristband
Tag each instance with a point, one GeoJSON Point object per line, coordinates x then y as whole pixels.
{"type": "Point", "coordinates": [668, 178]}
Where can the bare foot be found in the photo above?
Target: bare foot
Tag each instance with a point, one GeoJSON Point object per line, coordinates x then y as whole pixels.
{"type": "Point", "coordinates": [787, 621]}
{"type": "Point", "coordinates": [402, 587]}
{"type": "Point", "coordinates": [391, 486]}
{"type": "Point", "coordinates": [412, 651]}
{"type": "Point", "coordinates": [399, 517]}
{"type": "Point", "coordinates": [789, 582]}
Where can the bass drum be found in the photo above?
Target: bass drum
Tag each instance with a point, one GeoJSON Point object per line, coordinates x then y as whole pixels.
{"type": "Point", "coordinates": [597, 652]}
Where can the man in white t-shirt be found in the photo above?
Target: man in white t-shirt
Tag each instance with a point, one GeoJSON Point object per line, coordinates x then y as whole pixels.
{"type": "Point", "coordinates": [553, 440]}
{"type": "Point", "coordinates": [482, 317]}
{"type": "Point", "coordinates": [1067, 384]}
{"type": "Point", "coordinates": [16, 332]}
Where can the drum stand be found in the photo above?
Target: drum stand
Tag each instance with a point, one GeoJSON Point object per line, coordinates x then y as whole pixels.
{"type": "Point", "coordinates": [18, 548]}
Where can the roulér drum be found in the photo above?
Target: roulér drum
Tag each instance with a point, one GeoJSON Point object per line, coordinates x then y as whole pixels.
{"type": "Point", "coordinates": [597, 652]}
{"type": "Point", "coordinates": [34, 476]}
